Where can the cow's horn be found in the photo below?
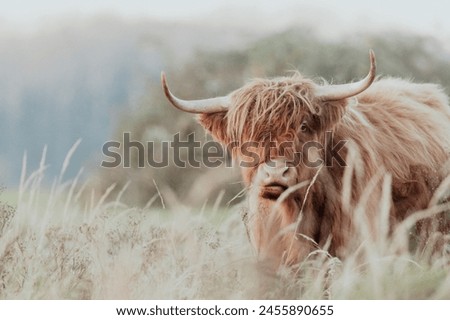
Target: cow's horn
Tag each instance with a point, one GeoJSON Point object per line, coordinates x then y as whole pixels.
{"type": "Point", "coordinates": [342, 91]}
{"type": "Point", "coordinates": [195, 106]}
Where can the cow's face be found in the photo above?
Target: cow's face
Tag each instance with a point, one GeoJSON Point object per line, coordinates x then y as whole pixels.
{"type": "Point", "coordinates": [274, 129]}
{"type": "Point", "coordinates": [267, 124]}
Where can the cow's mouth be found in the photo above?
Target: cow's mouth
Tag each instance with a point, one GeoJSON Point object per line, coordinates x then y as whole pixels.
{"type": "Point", "coordinates": [272, 191]}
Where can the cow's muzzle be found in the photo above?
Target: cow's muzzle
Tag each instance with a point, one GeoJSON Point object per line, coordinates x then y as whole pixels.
{"type": "Point", "coordinates": [275, 178]}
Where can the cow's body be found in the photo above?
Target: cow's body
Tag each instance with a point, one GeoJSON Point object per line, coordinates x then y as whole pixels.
{"type": "Point", "coordinates": [397, 136]}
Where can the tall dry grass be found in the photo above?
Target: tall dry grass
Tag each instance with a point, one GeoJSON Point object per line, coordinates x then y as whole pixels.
{"type": "Point", "coordinates": [57, 245]}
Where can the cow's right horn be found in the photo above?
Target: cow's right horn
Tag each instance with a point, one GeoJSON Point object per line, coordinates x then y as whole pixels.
{"type": "Point", "coordinates": [342, 91]}
{"type": "Point", "coordinates": [211, 105]}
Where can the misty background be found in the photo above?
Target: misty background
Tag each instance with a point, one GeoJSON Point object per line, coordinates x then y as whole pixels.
{"type": "Point", "coordinates": [91, 70]}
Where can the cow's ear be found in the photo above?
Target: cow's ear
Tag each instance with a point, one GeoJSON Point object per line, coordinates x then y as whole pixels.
{"type": "Point", "coordinates": [215, 124]}
{"type": "Point", "coordinates": [329, 113]}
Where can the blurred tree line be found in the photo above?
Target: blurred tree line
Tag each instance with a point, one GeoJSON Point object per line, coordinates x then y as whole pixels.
{"type": "Point", "coordinates": [211, 74]}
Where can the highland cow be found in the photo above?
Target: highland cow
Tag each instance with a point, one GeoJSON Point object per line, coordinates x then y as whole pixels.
{"type": "Point", "coordinates": [393, 139]}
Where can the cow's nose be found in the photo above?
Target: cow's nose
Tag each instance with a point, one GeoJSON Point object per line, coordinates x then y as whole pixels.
{"type": "Point", "coordinates": [279, 171]}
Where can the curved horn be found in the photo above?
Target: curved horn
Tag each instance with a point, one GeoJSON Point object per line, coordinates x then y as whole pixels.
{"type": "Point", "coordinates": [342, 91]}
{"type": "Point", "coordinates": [195, 106]}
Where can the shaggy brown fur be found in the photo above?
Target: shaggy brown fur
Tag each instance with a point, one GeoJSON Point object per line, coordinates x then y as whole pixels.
{"type": "Point", "coordinates": [395, 130]}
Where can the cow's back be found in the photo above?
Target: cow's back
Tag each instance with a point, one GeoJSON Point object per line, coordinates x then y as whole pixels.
{"type": "Point", "coordinates": [400, 125]}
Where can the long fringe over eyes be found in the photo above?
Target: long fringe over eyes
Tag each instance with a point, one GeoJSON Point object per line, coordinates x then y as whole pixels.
{"type": "Point", "coordinates": [260, 112]}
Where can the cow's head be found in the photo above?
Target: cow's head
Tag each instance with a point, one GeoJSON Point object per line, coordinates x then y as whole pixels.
{"type": "Point", "coordinates": [267, 123]}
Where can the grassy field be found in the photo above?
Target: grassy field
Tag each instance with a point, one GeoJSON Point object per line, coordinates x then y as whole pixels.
{"type": "Point", "coordinates": [53, 245]}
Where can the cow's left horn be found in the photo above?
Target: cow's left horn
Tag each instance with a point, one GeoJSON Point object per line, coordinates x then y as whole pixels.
{"type": "Point", "coordinates": [212, 105]}
{"type": "Point", "coordinates": [342, 91]}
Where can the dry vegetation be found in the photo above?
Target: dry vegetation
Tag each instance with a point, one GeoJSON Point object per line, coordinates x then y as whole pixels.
{"type": "Point", "coordinates": [57, 245]}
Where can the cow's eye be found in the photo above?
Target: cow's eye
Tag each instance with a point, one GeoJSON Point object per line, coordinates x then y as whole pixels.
{"type": "Point", "coordinates": [304, 126]}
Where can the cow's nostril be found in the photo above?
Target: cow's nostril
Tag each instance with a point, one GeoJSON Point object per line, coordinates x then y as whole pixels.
{"type": "Point", "coordinates": [285, 172]}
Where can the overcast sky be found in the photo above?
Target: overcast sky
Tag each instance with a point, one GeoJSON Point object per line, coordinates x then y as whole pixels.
{"type": "Point", "coordinates": [329, 18]}
{"type": "Point", "coordinates": [424, 16]}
